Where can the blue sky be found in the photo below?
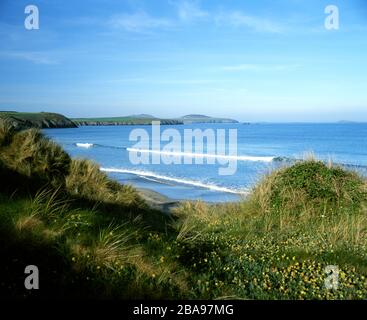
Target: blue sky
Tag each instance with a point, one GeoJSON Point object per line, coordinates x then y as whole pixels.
{"type": "Point", "coordinates": [263, 60]}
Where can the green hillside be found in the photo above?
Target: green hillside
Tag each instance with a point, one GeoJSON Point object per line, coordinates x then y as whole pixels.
{"type": "Point", "coordinates": [41, 120]}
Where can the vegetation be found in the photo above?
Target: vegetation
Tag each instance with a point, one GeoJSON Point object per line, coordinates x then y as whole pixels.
{"type": "Point", "coordinates": [277, 243]}
{"type": "Point", "coordinates": [28, 153]}
{"type": "Point", "coordinates": [93, 238]}
{"type": "Point", "coordinates": [24, 120]}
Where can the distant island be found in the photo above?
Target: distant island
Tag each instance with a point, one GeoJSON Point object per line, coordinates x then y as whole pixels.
{"type": "Point", "coordinates": [350, 122]}
{"type": "Point", "coordinates": [199, 118]}
{"type": "Point", "coordinates": [45, 120]}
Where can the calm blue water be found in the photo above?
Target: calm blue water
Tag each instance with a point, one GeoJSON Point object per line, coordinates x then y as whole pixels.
{"type": "Point", "coordinates": [342, 143]}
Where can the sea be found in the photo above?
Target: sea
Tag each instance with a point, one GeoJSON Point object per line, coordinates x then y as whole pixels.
{"type": "Point", "coordinates": [261, 148]}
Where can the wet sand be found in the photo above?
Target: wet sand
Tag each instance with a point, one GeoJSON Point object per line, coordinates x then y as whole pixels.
{"type": "Point", "coordinates": [157, 200]}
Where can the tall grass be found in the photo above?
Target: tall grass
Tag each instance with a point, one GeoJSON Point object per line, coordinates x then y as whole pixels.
{"type": "Point", "coordinates": [113, 247]}
{"type": "Point", "coordinates": [6, 133]}
{"type": "Point", "coordinates": [87, 181]}
{"type": "Point", "coordinates": [48, 204]}
{"type": "Point", "coordinates": [30, 154]}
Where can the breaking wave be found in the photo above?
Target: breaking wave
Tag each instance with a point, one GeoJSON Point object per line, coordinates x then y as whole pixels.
{"type": "Point", "coordinates": [204, 155]}
{"type": "Point", "coordinates": [151, 175]}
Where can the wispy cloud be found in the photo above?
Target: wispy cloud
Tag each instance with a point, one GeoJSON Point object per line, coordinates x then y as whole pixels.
{"type": "Point", "coordinates": [190, 11]}
{"type": "Point", "coordinates": [186, 11]}
{"type": "Point", "coordinates": [239, 19]}
{"type": "Point", "coordinates": [139, 21]}
{"type": "Point", "coordinates": [31, 56]}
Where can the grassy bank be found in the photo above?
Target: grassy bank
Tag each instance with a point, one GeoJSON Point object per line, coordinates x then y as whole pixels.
{"type": "Point", "coordinates": [92, 237]}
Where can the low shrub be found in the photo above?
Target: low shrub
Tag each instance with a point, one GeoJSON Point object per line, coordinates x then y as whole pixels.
{"type": "Point", "coordinates": [311, 187]}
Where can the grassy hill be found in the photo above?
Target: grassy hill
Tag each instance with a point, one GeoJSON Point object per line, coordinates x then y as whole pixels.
{"type": "Point", "coordinates": [94, 238]}
{"type": "Point", "coordinates": [23, 120]}
{"type": "Point", "coordinates": [128, 120]}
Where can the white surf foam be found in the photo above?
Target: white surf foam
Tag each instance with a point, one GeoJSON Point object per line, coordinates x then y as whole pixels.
{"type": "Point", "coordinates": [199, 184]}
{"type": "Point", "coordinates": [84, 145]}
{"type": "Point", "coordinates": [204, 155]}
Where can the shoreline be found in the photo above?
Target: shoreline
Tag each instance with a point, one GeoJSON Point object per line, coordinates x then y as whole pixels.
{"type": "Point", "coordinates": [157, 200]}
{"type": "Point", "coordinates": [165, 204]}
